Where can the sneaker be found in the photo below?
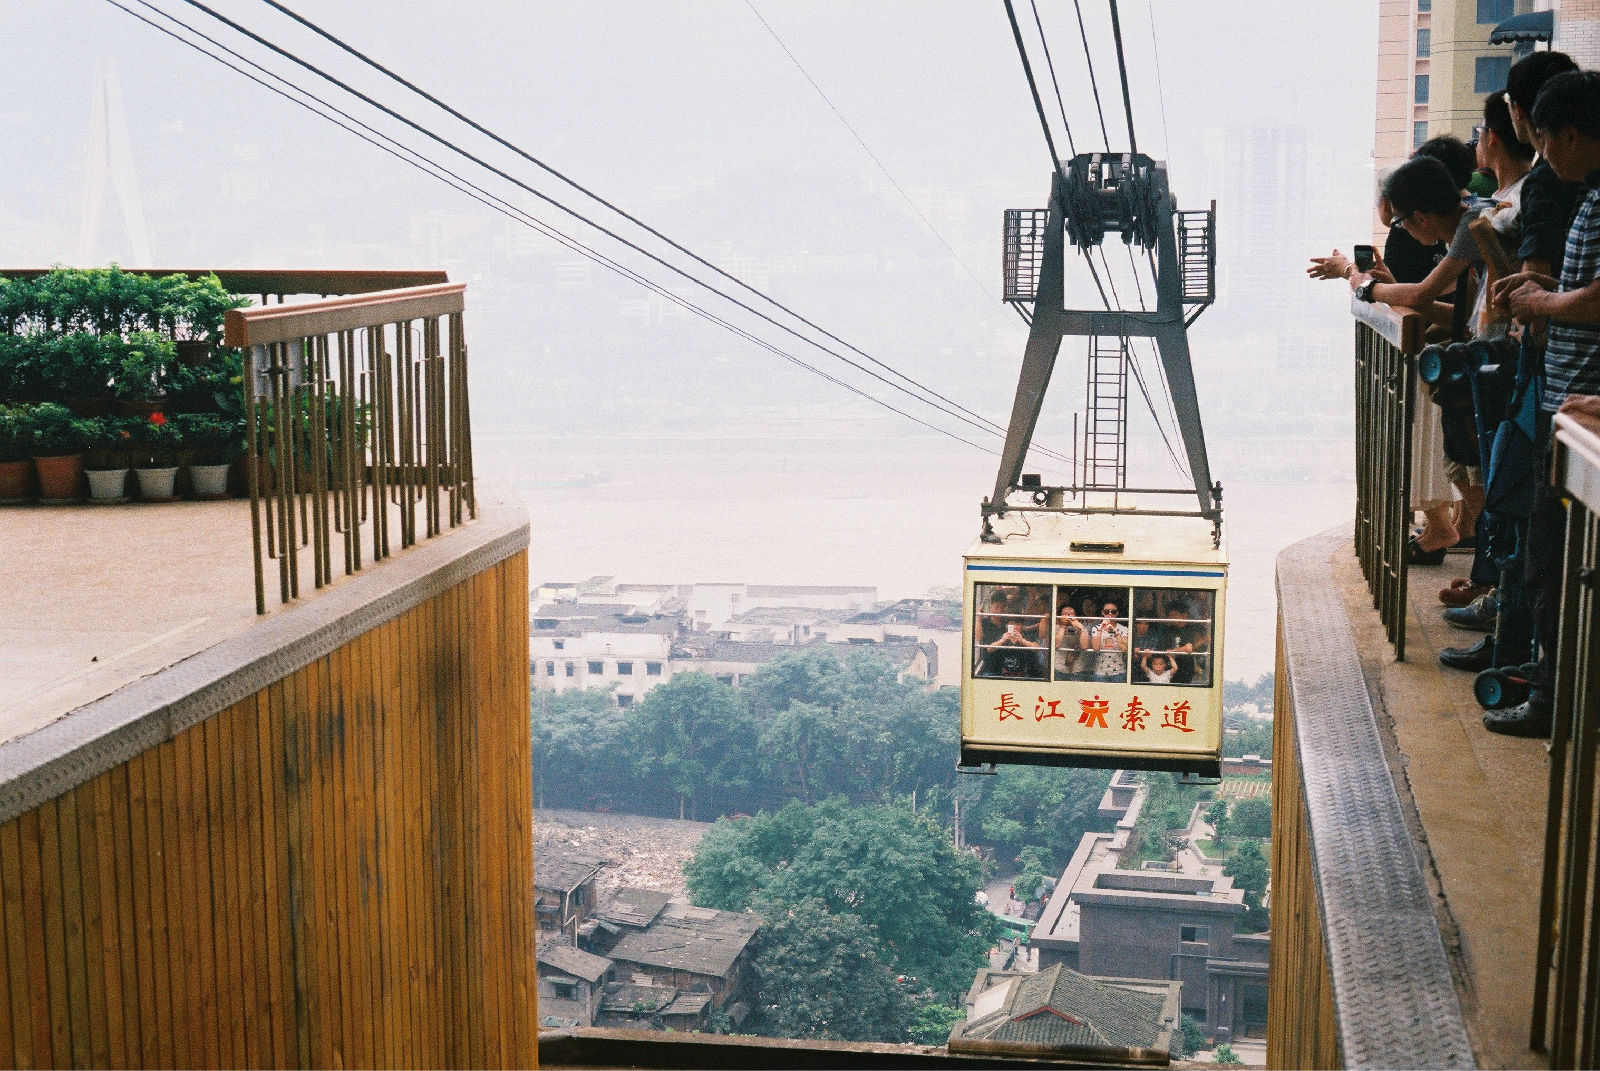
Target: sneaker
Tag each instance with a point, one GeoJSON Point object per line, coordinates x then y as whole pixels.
{"type": "Point", "coordinates": [1524, 719]}
{"type": "Point", "coordinates": [1479, 656]}
{"type": "Point", "coordinates": [1476, 617]}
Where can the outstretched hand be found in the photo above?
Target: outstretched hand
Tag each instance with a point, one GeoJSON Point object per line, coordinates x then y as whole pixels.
{"type": "Point", "coordinates": [1333, 266]}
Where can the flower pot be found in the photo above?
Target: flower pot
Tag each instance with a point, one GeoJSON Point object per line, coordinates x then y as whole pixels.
{"type": "Point", "coordinates": [209, 481]}
{"type": "Point", "coordinates": [155, 485]}
{"type": "Point", "coordinates": [16, 482]}
{"type": "Point", "coordinates": [192, 352]}
{"type": "Point", "coordinates": [59, 478]}
{"type": "Point", "coordinates": [107, 485]}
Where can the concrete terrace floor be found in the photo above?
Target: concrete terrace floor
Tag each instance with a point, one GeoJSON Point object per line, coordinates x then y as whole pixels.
{"type": "Point", "coordinates": [1478, 800]}
{"type": "Point", "coordinates": [96, 597]}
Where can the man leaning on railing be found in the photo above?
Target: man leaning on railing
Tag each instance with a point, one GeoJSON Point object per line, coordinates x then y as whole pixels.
{"type": "Point", "coordinates": [1566, 124]}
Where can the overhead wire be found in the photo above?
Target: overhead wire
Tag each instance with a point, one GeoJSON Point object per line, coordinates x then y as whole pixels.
{"type": "Point", "coordinates": [948, 406]}
{"type": "Point", "coordinates": [1161, 93]}
{"type": "Point", "coordinates": [1122, 73]}
{"type": "Point", "coordinates": [455, 113]}
{"type": "Point", "coordinates": [1054, 81]}
{"type": "Point", "coordinates": [1094, 84]}
{"type": "Point", "coordinates": [437, 171]}
{"type": "Point", "coordinates": [787, 51]}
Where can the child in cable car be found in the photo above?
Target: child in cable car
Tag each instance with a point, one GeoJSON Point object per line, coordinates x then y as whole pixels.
{"type": "Point", "coordinates": [1157, 667]}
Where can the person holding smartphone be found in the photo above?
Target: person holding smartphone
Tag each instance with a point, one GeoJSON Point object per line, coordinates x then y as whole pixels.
{"type": "Point", "coordinates": [1109, 641]}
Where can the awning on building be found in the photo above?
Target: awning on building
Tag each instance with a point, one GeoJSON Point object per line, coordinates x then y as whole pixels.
{"type": "Point", "coordinates": [1534, 26]}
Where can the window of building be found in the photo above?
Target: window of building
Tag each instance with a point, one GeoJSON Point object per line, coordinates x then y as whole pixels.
{"type": "Point", "coordinates": [545, 622]}
{"type": "Point", "coordinates": [1489, 73]}
{"type": "Point", "coordinates": [549, 669]}
{"type": "Point", "coordinates": [1190, 934]}
{"type": "Point", "coordinates": [1421, 94]}
{"type": "Point", "coordinates": [1419, 133]}
{"type": "Point", "coordinates": [1424, 6]}
{"type": "Point", "coordinates": [1493, 11]}
{"type": "Point", "coordinates": [564, 990]}
{"type": "Point", "coordinates": [624, 669]}
{"type": "Point", "coordinates": [597, 668]}
{"type": "Point", "coordinates": [560, 645]}
{"type": "Point", "coordinates": [652, 669]}
{"type": "Point", "coordinates": [571, 669]}
{"type": "Point", "coordinates": [624, 700]}
{"type": "Point", "coordinates": [1424, 43]}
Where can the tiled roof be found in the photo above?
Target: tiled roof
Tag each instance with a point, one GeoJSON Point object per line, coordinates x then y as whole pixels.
{"type": "Point", "coordinates": [557, 868]}
{"type": "Point", "coordinates": [1058, 1006]}
{"type": "Point", "coordinates": [697, 940]}
{"type": "Point", "coordinates": [631, 906]}
{"type": "Point", "coordinates": [624, 997]}
{"type": "Point", "coordinates": [573, 961]}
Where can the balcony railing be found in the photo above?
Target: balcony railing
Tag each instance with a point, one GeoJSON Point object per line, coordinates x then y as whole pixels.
{"type": "Point", "coordinates": [1566, 1006]}
{"type": "Point", "coordinates": [356, 415]}
{"type": "Point", "coordinates": [1387, 341]}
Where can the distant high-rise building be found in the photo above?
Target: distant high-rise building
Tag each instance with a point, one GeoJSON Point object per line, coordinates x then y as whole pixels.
{"type": "Point", "coordinates": [1435, 66]}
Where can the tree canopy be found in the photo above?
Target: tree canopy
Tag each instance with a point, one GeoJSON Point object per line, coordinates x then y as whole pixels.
{"type": "Point", "coordinates": [888, 866]}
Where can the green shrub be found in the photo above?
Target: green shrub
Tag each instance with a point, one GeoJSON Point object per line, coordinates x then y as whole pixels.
{"type": "Point", "coordinates": [56, 432]}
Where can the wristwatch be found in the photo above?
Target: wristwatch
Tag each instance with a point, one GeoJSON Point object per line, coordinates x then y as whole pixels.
{"type": "Point", "coordinates": [1364, 291]}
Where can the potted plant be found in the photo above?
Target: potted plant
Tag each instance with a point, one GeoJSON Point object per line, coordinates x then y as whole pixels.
{"type": "Point", "coordinates": [156, 442]}
{"type": "Point", "coordinates": [16, 444]}
{"type": "Point", "coordinates": [106, 461]}
{"type": "Point", "coordinates": [144, 373]}
{"type": "Point", "coordinates": [59, 439]}
{"type": "Point", "coordinates": [78, 369]}
{"type": "Point", "coordinates": [195, 309]}
{"type": "Point", "coordinates": [215, 439]}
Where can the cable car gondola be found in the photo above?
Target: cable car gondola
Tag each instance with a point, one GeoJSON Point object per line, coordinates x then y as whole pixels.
{"type": "Point", "coordinates": [1093, 611]}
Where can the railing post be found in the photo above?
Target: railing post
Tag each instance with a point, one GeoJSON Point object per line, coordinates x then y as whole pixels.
{"type": "Point", "coordinates": [1386, 344]}
{"type": "Point", "coordinates": [324, 391]}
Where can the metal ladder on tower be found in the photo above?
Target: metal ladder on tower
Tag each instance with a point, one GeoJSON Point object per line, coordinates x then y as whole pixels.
{"type": "Point", "coordinates": [1197, 258]}
{"type": "Point", "coordinates": [1105, 432]}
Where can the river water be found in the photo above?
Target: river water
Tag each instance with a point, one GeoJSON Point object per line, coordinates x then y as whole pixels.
{"type": "Point", "coordinates": [838, 501]}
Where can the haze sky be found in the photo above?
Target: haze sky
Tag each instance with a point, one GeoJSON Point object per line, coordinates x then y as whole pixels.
{"type": "Point", "coordinates": [648, 444]}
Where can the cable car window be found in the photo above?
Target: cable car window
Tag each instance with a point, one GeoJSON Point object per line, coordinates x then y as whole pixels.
{"type": "Point", "coordinates": [1172, 630]}
{"type": "Point", "coordinates": [1011, 635]}
{"type": "Point", "coordinates": [1103, 613]}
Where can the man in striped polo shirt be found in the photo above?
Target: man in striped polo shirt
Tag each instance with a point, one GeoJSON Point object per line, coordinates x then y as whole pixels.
{"type": "Point", "coordinates": [1566, 122]}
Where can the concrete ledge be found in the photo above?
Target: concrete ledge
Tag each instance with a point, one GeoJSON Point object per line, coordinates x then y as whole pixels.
{"type": "Point", "coordinates": [1395, 1001]}
{"type": "Point", "coordinates": [100, 735]}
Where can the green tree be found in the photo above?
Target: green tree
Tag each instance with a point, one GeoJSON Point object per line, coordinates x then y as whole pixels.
{"type": "Point", "coordinates": [1039, 805]}
{"type": "Point", "coordinates": [577, 760]}
{"type": "Point", "coordinates": [820, 975]}
{"type": "Point", "coordinates": [1217, 815]}
{"type": "Point", "coordinates": [1191, 1038]}
{"type": "Point", "coordinates": [1035, 872]}
{"type": "Point", "coordinates": [1248, 869]}
{"type": "Point", "coordinates": [932, 1023]}
{"type": "Point", "coordinates": [1251, 738]}
{"type": "Point", "coordinates": [889, 866]}
{"type": "Point", "coordinates": [692, 732]}
{"type": "Point", "coordinates": [1252, 817]}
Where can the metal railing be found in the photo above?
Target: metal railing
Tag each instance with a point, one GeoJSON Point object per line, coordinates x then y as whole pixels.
{"type": "Point", "coordinates": [356, 416]}
{"type": "Point", "coordinates": [1387, 341]}
{"type": "Point", "coordinates": [1566, 1000]}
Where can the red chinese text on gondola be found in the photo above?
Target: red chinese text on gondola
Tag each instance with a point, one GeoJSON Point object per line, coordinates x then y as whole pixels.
{"type": "Point", "coordinates": [1092, 712]}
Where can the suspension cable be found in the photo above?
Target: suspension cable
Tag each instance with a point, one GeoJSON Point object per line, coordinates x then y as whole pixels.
{"type": "Point", "coordinates": [435, 170]}
{"type": "Point", "coordinates": [1122, 72]}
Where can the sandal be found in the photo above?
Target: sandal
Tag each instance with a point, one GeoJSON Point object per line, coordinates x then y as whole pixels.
{"type": "Point", "coordinates": [1461, 592]}
{"type": "Point", "coordinates": [1415, 555]}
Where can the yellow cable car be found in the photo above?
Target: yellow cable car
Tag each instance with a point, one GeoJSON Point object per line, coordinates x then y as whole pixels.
{"type": "Point", "coordinates": [1094, 640]}
{"type": "Point", "coordinates": [1092, 622]}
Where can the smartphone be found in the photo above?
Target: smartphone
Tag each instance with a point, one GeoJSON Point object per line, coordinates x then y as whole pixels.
{"type": "Point", "coordinates": [1364, 255]}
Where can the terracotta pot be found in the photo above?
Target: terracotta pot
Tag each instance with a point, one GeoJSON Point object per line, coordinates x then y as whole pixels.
{"type": "Point", "coordinates": [192, 352]}
{"type": "Point", "coordinates": [209, 481]}
{"type": "Point", "coordinates": [59, 478]}
{"type": "Point", "coordinates": [107, 485]}
{"type": "Point", "coordinates": [16, 482]}
{"type": "Point", "coordinates": [156, 485]}
{"type": "Point", "coordinates": [88, 407]}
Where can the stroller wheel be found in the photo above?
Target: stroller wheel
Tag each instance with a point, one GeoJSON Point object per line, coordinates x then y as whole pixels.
{"type": "Point", "coordinates": [1496, 688]}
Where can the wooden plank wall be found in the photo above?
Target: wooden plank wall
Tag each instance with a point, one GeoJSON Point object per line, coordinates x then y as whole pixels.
{"type": "Point", "coordinates": [334, 872]}
{"type": "Point", "coordinates": [1301, 1031]}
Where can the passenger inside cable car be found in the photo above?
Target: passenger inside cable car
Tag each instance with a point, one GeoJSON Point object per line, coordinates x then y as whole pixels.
{"type": "Point", "coordinates": [1166, 641]}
